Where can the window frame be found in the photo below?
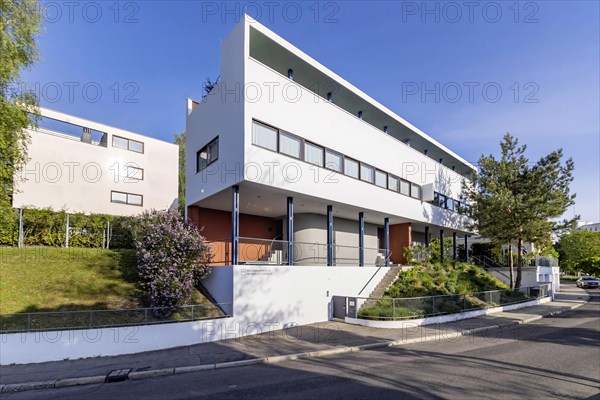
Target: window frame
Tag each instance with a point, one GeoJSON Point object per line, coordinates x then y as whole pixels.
{"type": "Point", "coordinates": [290, 135]}
{"type": "Point", "coordinates": [206, 148]}
{"type": "Point", "coordinates": [127, 167]}
{"type": "Point", "coordinates": [276, 150]}
{"type": "Point", "coordinates": [352, 160]}
{"type": "Point", "coordinates": [126, 202]}
{"type": "Point", "coordinates": [308, 143]}
{"type": "Point", "coordinates": [360, 173]}
{"type": "Point", "coordinates": [340, 155]}
{"type": "Point", "coordinates": [128, 144]}
{"type": "Point", "coordinates": [385, 174]}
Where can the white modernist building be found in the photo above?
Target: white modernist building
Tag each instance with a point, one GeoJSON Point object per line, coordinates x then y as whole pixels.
{"type": "Point", "coordinates": [313, 170]}
{"type": "Point", "coordinates": [79, 165]}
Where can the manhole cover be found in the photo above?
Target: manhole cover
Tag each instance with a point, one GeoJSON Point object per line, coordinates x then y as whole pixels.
{"type": "Point", "coordinates": [118, 375]}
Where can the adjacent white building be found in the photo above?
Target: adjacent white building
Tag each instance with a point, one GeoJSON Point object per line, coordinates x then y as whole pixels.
{"type": "Point", "coordinates": [85, 166]}
{"type": "Point", "coordinates": [590, 227]}
{"type": "Point", "coordinates": [307, 163]}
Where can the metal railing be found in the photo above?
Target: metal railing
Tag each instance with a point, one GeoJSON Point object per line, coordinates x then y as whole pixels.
{"type": "Point", "coordinates": [94, 319]}
{"type": "Point", "coordinates": [430, 306]}
{"type": "Point", "coordinates": [254, 251]}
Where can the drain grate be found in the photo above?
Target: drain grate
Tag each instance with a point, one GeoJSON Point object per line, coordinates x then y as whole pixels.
{"type": "Point", "coordinates": [117, 375]}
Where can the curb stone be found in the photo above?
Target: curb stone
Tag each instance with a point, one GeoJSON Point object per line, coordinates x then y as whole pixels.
{"type": "Point", "coordinates": [139, 375]}
{"type": "Point", "coordinates": [134, 376]}
{"type": "Point", "coordinates": [21, 387]}
{"type": "Point", "coordinates": [87, 380]}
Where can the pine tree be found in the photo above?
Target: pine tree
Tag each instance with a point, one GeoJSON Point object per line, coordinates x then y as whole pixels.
{"type": "Point", "coordinates": [513, 201]}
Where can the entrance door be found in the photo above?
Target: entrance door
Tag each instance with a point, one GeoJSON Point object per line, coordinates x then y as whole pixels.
{"type": "Point", "coordinates": [339, 307]}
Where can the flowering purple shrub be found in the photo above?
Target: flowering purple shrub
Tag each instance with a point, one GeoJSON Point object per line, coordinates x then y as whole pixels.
{"type": "Point", "coordinates": [172, 255]}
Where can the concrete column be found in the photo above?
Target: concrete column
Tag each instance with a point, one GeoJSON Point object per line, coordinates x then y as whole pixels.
{"type": "Point", "coordinates": [386, 240]}
{"type": "Point", "coordinates": [330, 261]}
{"type": "Point", "coordinates": [290, 230]}
{"type": "Point", "coordinates": [427, 237]}
{"type": "Point", "coordinates": [442, 246]}
{"type": "Point", "coordinates": [235, 223]}
{"type": "Point", "coordinates": [454, 251]}
{"type": "Point", "coordinates": [361, 239]}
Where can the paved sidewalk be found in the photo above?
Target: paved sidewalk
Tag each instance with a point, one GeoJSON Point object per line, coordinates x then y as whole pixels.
{"type": "Point", "coordinates": [330, 337]}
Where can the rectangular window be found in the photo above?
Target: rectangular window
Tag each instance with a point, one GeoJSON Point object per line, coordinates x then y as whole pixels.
{"type": "Point", "coordinates": [207, 155]}
{"type": "Point", "coordinates": [118, 197]}
{"type": "Point", "coordinates": [127, 144]}
{"type": "Point", "coordinates": [313, 154]}
{"type": "Point", "coordinates": [367, 173]}
{"type": "Point", "coordinates": [289, 144]}
{"type": "Point", "coordinates": [381, 178]}
{"type": "Point", "coordinates": [351, 167]}
{"type": "Point", "coordinates": [134, 172]}
{"type": "Point", "coordinates": [119, 142]}
{"type": "Point", "coordinates": [264, 136]}
{"type": "Point", "coordinates": [405, 187]}
{"type": "Point", "coordinates": [136, 146]}
{"type": "Point", "coordinates": [450, 204]}
{"type": "Point", "coordinates": [126, 198]}
{"type": "Point", "coordinates": [415, 191]}
{"type": "Point", "coordinates": [442, 201]}
{"type": "Point", "coordinates": [333, 160]}
{"type": "Point", "coordinates": [393, 183]}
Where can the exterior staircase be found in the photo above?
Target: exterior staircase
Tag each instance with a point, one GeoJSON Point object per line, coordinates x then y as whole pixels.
{"type": "Point", "coordinates": [387, 281]}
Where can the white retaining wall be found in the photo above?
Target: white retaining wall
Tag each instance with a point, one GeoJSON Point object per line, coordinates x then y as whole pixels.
{"type": "Point", "coordinates": [408, 323]}
{"type": "Point", "coordinates": [265, 298]}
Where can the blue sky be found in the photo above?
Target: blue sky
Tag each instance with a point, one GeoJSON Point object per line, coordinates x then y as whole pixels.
{"type": "Point", "coordinates": [533, 67]}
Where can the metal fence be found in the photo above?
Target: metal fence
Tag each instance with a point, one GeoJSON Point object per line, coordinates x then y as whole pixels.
{"type": "Point", "coordinates": [94, 319]}
{"type": "Point", "coordinates": [275, 252]}
{"type": "Point", "coordinates": [429, 306]}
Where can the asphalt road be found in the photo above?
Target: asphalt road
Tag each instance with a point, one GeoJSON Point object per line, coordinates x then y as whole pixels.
{"type": "Point", "coordinates": [557, 357]}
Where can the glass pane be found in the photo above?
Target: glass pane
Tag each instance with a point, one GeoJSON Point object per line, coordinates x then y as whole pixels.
{"type": "Point", "coordinates": [134, 199]}
{"type": "Point", "coordinates": [264, 136]}
{"type": "Point", "coordinates": [333, 161]}
{"type": "Point", "coordinates": [415, 191]}
{"type": "Point", "coordinates": [405, 188]}
{"type": "Point", "coordinates": [202, 160]}
{"type": "Point", "coordinates": [313, 154]}
{"type": "Point", "coordinates": [118, 197]}
{"type": "Point", "coordinates": [119, 142]}
{"type": "Point", "coordinates": [366, 173]}
{"type": "Point", "coordinates": [136, 146]}
{"type": "Point", "coordinates": [381, 179]}
{"type": "Point", "coordinates": [392, 183]}
{"type": "Point", "coordinates": [135, 173]}
{"type": "Point", "coordinates": [450, 204]}
{"type": "Point", "coordinates": [213, 150]}
{"type": "Point", "coordinates": [351, 167]}
{"type": "Point", "coordinates": [289, 145]}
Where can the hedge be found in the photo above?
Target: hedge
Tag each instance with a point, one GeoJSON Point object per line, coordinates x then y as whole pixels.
{"type": "Point", "coordinates": [46, 227]}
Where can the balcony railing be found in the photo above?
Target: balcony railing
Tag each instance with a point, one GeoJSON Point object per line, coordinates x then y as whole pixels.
{"type": "Point", "coordinates": [253, 251]}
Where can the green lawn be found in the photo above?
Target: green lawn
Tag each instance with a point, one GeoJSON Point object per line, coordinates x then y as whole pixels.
{"type": "Point", "coordinates": [58, 279]}
{"type": "Point", "coordinates": [452, 280]}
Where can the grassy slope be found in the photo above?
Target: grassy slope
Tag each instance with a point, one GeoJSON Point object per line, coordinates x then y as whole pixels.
{"type": "Point", "coordinates": [436, 279]}
{"type": "Point", "coordinates": [57, 279]}
{"type": "Point", "coordinates": [432, 280]}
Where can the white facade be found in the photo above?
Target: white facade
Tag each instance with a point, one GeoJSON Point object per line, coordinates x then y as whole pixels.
{"type": "Point", "coordinates": [84, 166]}
{"type": "Point", "coordinates": [267, 82]}
{"type": "Point", "coordinates": [590, 227]}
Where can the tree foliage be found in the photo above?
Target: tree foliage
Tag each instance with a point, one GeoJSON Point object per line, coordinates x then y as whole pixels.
{"type": "Point", "coordinates": [180, 141]}
{"type": "Point", "coordinates": [20, 22]}
{"type": "Point", "coordinates": [513, 200]}
{"type": "Point", "coordinates": [573, 248]}
{"type": "Point", "coordinates": [171, 257]}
